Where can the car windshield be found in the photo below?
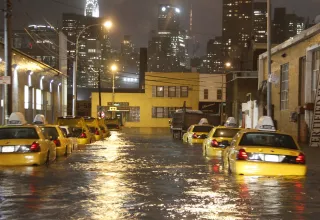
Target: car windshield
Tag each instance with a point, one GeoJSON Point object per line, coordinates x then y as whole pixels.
{"type": "Point", "coordinates": [202, 128]}
{"type": "Point", "coordinates": [268, 140]}
{"type": "Point", "coordinates": [225, 132]}
{"type": "Point", "coordinates": [18, 133]}
{"type": "Point", "coordinates": [50, 132]}
{"type": "Point", "coordinates": [102, 128]}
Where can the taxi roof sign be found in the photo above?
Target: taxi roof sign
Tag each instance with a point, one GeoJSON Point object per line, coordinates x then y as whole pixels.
{"type": "Point", "coordinates": [231, 122]}
{"type": "Point", "coordinates": [39, 119]}
{"type": "Point", "coordinates": [265, 123]}
{"type": "Point", "coordinates": [17, 118]}
{"type": "Point", "coordinates": [203, 121]}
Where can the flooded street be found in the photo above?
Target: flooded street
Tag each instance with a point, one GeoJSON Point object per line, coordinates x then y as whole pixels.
{"type": "Point", "coordinates": [143, 174]}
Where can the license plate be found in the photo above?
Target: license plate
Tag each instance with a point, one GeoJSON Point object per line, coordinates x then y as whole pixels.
{"type": "Point", "coordinates": [271, 158]}
{"type": "Point", "coordinates": [7, 149]}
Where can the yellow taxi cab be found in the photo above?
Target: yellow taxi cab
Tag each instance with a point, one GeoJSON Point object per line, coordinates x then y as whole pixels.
{"type": "Point", "coordinates": [94, 127]}
{"type": "Point", "coordinates": [77, 128]}
{"type": "Point", "coordinates": [197, 133]}
{"type": "Point", "coordinates": [112, 124]}
{"type": "Point", "coordinates": [104, 128]}
{"type": "Point", "coordinates": [264, 151]}
{"type": "Point", "coordinates": [218, 138]}
{"type": "Point", "coordinates": [54, 133]}
{"type": "Point", "coordinates": [24, 144]}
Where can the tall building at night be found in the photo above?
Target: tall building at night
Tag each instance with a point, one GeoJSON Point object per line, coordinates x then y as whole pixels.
{"type": "Point", "coordinates": [91, 8]}
{"type": "Point", "coordinates": [167, 49]}
{"type": "Point", "coordinates": [129, 58]}
{"type": "Point", "coordinates": [285, 25]}
{"type": "Point", "coordinates": [38, 41]}
{"type": "Point", "coordinates": [93, 47]}
{"type": "Point", "coordinates": [260, 22]}
{"type": "Point", "coordinates": [236, 30]}
{"type": "Point", "coordinates": [212, 62]}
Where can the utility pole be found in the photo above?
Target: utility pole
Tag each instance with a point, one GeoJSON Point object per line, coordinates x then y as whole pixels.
{"type": "Point", "coordinates": [269, 100]}
{"type": "Point", "coordinates": [7, 89]}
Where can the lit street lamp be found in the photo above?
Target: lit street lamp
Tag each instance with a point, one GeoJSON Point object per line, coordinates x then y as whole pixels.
{"type": "Point", "coordinates": [114, 69]}
{"type": "Point", "coordinates": [108, 25]}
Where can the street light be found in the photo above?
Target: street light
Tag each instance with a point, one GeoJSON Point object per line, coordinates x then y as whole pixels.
{"type": "Point", "coordinates": [107, 24]}
{"type": "Point", "coordinates": [114, 69]}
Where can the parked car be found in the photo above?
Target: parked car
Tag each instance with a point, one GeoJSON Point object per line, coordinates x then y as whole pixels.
{"type": "Point", "coordinates": [24, 144]}
{"type": "Point", "coordinates": [94, 127]}
{"type": "Point", "coordinates": [78, 129]}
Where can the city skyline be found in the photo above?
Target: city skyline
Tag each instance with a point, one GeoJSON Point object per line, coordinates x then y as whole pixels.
{"type": "Point", "coordinates": [129, 19]}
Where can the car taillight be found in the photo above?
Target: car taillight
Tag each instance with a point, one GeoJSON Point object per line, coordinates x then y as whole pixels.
{"type": "Point", "coordinates": [35, 147]}
{"type": "Point", "coordinates": [118, 127]}
{"type": "Point", "coordinates": [97, 132]}
{"type": "Point", "coordinates": [57, 143]}
{"type": "Point", "coordinates": [83, 135]}
{"type": "Point", "coordinates": [301, 159]}
{"type": "Point", "coordinates": [194, 135]}
{"type": "Point", "coordinates": [242, 155]}
{"type": "Point", "coordinates": [214, 143]}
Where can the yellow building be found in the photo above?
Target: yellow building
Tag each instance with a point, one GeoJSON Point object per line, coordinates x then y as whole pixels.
{"type": "Point", "coordinates": [164, 93]}
{"type": "Point", "coordinates": [295, 69]}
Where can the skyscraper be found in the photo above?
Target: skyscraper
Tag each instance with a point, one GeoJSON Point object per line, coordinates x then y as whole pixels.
{"type": "Point", "coordinates": [91, 48]}
{"type": "Point", "coordinates": [285, 25]}
{"type": "Point", "coordinates": [167, 50]}
{"type": "Point", "coordinates": [91, 8]}
{"type": "Point", "coordinates": [260, 22]}
{"type": "Point", "coordinates": [236, 30]}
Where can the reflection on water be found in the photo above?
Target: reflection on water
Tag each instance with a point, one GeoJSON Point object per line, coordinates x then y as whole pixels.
{"type": "Point", "coordinates": [143, 174]}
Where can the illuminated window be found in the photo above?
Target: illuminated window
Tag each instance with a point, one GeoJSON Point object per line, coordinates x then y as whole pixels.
{"type": "Point", "coordinates": [26, 97]}
{"type": "Point", "coordinates": [39, 100]}
{"type": "Point", "coordinates": [160, 91]}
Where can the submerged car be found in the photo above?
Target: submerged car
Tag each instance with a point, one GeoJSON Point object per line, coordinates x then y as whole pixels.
{"type": "Point", "coordinates": [77, 128]}
{"type": "Point", "coordinates": [94, 127]}
{"type": "Point", "coordinates": [218, 138]}
{"type": "Point", "coordinates": [24, 144]}
{"type": "Point", "coordinates": [264, 151]}
{"type": "Point", "coordinates": [104, 128]}
{"type": "Point", "coordinates": [196, 133]}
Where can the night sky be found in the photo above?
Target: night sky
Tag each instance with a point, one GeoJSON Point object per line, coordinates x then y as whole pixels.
{"type": "Point", "coordinates": [138, 17]}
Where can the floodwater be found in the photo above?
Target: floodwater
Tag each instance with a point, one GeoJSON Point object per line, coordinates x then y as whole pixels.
{"type": "Point", "coordinates": [144, 174]}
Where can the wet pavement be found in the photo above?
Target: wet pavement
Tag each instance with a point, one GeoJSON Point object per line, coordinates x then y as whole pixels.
{"type": "Point", "coordinates": [144, 174]}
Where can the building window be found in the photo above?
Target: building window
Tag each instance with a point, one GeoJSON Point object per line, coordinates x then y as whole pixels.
{"type": "Point", "coordinates": [159, 112]}
{"type": "Point", "coordinates": [160, 91]}
{"type": "Point", "coordinates": [184, 91]}
{"type": "Point", "coordinates": [172, 91]}
{"type": "Point", "coordinates": [219, 94]}
{"type": "Point", "coordinates": [205, 94]}
{"type": "Point", "coordinates": [284, 87]}
{"type": "Point", "coordinates": [26, 97]}
{"type": "Point", "coordinates": [39, 99]}
{"type": "Point", "coordinates": [134, 114]}
{"type": "Point", "coordinates": [315, 71]}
